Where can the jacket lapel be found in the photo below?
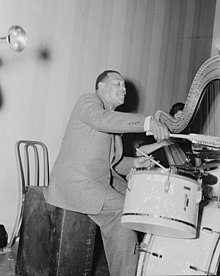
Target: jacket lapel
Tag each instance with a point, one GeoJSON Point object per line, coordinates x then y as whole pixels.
{"type": "Point", "coordinates": [116, 149]}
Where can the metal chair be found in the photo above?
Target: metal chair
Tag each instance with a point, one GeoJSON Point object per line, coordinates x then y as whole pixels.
{"type": "Point", "coordinates": [33, 170]}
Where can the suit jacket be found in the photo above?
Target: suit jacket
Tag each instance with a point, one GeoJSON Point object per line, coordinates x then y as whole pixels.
{"type": "Point", "coordinates": [90, 154]}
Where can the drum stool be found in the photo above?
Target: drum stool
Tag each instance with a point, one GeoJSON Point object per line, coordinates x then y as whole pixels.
{"type": "Point", "coordinates": [53, 241]}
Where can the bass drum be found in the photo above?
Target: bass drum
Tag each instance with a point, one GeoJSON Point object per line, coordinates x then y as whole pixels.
{"type": "Point", "coordinates": [199, 256]}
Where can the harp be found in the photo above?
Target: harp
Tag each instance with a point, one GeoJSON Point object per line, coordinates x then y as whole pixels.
{"type": "Point", "coordinates": [201, 111]}
{"type": "Point", "coordinates": [202, 99]}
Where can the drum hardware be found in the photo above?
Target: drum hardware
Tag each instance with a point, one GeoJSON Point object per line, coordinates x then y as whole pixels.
{"type": "Point", "coordinates": [209, 154]}
{"type": "Point", "coordinates": [186, 202]}
{"type": "Point", "coordinates": [210, 230]}
{"type": "Point", "coordinates": [143, 248]}
{"type": "Point", "coordinates": [212, 255]}
{"type": "Point", "coordinates": [186, 167]}
{"type": "Point", "coordinates": [140, 247]}
{"type": "Point", "coordinates": [141, 169]}
{"type": "Point", "coordinates": [136, 248]}
{"type": "Point", "coordinates": [130, 183]}
{"type": "Point", "coordinates": [198, 172]}
{"type": "Point", "coordinates": [205, 154]}
{"type": "Point", "coordinates": [203, 271]}
{"type": "Point", "coordinates": [209, 164]}
{"type": "Point", "coordinates": [154, 254]}
{"type": "Point", "coordinates": [193, 175]}
{"type": "Point", "coordinates": [167, 183]}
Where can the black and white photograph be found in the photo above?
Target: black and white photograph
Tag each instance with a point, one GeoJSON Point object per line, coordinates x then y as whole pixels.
{"type": "Point", "coordinates": [110, 137]}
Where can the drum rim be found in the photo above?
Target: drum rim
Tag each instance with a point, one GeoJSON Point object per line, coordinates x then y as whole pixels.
{"type": "Point", "coordinates": [158, 216]}
{"type": "Point", "coordinates": [160, 172]}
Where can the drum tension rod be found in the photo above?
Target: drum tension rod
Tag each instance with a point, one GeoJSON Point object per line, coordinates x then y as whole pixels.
{"type": "Point", "coordinates": [167, 182]}
{"type": "Point", "coordinates": [197, 269]}
{"type": "Point", "coordinates": [139, 247]}
{"type": "Point", "coordinates": [142, 248]}
{"type": "Point", "coordinates": [210, 231]}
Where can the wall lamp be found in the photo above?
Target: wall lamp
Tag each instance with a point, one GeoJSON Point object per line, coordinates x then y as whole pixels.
{"type": "Point", "coordinates": [16, 38]}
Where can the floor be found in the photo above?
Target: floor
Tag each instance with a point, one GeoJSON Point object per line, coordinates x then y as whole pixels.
{"type": "Point", "coordinates": [7, 261]}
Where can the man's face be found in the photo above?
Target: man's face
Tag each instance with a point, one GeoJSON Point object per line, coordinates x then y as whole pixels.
{"type": "Point", "coordinates": [113, 90]}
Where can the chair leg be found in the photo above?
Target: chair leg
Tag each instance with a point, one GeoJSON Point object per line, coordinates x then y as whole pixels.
{"type": "Point", "coordinates": [17, 225]}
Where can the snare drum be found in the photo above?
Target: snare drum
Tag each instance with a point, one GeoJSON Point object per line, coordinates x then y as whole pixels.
{"type": "Point", "coordinates": [199, 256]}
{"type": "Point", "coordinates": [162, 203]}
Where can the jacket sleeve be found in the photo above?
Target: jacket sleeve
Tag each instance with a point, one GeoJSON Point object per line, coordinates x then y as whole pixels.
{"type": "Point", "coordinates": [124, 166]}
{"type": "Point", "coordinates": [92, 113]}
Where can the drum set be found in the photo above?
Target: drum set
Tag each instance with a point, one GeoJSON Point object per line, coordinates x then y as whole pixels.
{"type": "Point", "coordinates": [180, 219]}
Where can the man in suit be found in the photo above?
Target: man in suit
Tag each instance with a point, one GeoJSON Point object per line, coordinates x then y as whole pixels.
{"type": "Point", "coordinates": [86, 176]}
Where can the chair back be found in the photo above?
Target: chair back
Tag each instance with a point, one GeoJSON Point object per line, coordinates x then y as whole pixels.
{"type": "Point", "coordinates": [32, 163]}
{"type": "Point", "coordinates": [33, 170]}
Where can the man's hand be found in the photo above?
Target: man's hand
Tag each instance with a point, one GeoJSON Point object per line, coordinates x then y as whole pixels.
{"type": "Point", "coordinates": [159, 130]}
{"type": "Point", "coordinates": [143, 162]}
{"type": "Point", "coordinates": [166, 142]}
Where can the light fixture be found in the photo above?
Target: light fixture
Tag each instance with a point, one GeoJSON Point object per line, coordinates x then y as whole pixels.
{"type": "Point", "coordinates": [16, 38]}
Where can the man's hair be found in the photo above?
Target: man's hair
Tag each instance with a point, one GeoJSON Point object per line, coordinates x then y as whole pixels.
{"type": "Point", "coordinates": [102, 76]}
{"type": "Point", "coordinates": [176, 107]}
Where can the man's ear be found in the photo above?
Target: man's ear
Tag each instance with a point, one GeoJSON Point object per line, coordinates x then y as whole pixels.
{"type": "Point", "coordinates": [101, 85]}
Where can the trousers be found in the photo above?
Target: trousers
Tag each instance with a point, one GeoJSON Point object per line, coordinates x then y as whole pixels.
{"type": "Point", "coordinates": [119, 242]}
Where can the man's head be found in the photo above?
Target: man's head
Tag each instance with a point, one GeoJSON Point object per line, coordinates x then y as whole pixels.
{"type": "Point", "coordinates": [111, 86]}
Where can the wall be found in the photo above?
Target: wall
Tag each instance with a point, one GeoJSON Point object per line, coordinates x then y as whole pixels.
{"type": "Point", "coordinates": [158, 45]}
